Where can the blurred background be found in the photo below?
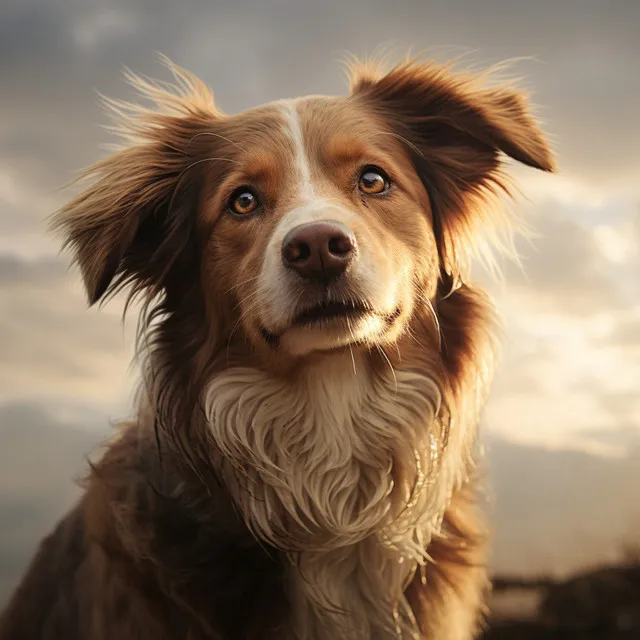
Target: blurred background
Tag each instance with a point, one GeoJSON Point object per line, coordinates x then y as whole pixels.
{"type": "Point", "coordinates": [562, 430]}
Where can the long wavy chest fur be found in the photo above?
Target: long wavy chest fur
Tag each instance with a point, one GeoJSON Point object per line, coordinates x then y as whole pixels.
{"type": "Point", "coordinates": [348, 470]}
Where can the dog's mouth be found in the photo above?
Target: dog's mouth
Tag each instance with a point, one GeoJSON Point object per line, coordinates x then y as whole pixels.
{"type": "Point", "coordinates": [331, 311]}
{"type": "Point", "coordinates": [334, 315]}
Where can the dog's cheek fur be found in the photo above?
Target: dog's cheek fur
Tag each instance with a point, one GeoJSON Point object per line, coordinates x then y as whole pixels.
{"type": "Point", "coordinates": [231, 263]}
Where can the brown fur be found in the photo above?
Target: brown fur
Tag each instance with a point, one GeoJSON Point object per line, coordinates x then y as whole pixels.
{"type": "Point", "coordinates": [281, 482]}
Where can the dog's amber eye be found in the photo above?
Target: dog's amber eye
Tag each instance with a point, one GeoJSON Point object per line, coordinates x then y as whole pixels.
{"type": "Point", "coordinates": [243, 202]}
{"type": "Point", "coordinates": [373, 181]}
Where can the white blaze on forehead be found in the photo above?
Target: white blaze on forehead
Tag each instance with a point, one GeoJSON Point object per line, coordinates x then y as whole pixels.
{"type": "Point", "coordinates": [305, 186]}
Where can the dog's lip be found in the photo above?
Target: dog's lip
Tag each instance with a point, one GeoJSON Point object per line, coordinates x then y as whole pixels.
{"type": "Point", "coordinates": [329, 313]}
{"type": "Point", "coordinates": [330, 310]}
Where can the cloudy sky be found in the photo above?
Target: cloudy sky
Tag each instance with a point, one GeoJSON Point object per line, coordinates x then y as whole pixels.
{"type": "Point", "coordinates": [563, 426]}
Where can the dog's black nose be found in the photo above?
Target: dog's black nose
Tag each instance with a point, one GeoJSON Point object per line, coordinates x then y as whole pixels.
{"type": "Point", "coordinates": [319, 250]}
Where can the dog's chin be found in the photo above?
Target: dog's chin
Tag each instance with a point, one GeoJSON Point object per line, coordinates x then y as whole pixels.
{"type": "Point", "coordinates": [331, 335]}
{"type": "Point", "coordinates": [332, 327]}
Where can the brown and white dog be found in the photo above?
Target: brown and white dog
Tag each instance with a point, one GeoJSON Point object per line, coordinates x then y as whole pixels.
{"type": "Point", "coordinates": [301, 463]}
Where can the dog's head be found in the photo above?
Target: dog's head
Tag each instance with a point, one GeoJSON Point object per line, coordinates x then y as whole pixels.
{"type": "Point", "coordinates": [303, 225]}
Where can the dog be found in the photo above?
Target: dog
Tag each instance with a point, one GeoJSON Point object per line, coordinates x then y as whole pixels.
{"type": "Point", "coordinates": [315, 359]}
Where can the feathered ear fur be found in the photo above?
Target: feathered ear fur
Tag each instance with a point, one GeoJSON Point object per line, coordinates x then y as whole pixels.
{"type": "Point", "coordinates": [132, 223]}
{"type": "Point", "coordinates": [456, 130]}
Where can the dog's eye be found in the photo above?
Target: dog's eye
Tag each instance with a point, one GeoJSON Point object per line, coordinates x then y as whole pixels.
{"type": "Point", "coordinates": [243, 202]}
{"type": "Point", "coordinates": [373, 181]}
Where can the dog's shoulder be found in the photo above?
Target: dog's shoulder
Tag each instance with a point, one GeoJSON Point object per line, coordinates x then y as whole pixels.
{"type": "Point", "coordinates": [180, 539]}
{"type": "Point", "coordinates": [146, 553]}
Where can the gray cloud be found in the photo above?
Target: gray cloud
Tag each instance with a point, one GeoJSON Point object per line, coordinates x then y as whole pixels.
{"type": "Point", "coordinates": [49, 342]}
{"type": "Point", "coordinates": [627, 333]}
{"type": "Point", "coordinates": [39, 460]}
{"type": "Point", "coordinates": [564, 266]}
{"type": "Point", "coordinates": [558, 511]}
{"type": "Point", "coordinates": [15, 271]}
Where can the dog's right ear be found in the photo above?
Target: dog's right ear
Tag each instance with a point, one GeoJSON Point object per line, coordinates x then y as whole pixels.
{"type": "Point", "coordinates": [132, 224]}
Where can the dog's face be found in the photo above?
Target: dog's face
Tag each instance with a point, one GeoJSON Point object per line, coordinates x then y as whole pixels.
{"type": "Point", "coordinates": [320, 227]}
{"type": "Point", "coordinates": [304, 225]}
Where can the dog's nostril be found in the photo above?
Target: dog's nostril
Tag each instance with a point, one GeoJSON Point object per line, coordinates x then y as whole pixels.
{"type": "Point", "coordinates": [341, 245]}
{"type": "Point", "coordinates": [304, 251]}
{"type": "Point", "coordinates": [296, 252]}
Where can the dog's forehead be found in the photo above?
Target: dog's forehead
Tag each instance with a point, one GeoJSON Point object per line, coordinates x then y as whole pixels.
{"type": "Point", "coordinates": [309, 120]}
{"type": "Point", "coordinates": [307, 107]}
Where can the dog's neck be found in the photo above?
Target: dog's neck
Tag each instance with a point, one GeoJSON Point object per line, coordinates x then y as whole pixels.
{"type": "Point", "coordinates": [348, 467]}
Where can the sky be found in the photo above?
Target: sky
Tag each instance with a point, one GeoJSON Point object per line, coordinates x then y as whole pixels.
{"type": "Point", "coordinates": [562, 429]}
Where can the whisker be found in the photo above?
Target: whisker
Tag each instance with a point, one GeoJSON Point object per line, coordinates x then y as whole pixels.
{"type": "Point", "coordinates": [353, 360]}
{"type": "Point", "coordinates": [240, 318]}
{"type": "Point", "coordinates": [403, 139]}
{"type": "Point", "coordinates": [414, 337]}
{"type": "Point", "coordinates": [193, 164]}
{"type": "Point", "coordinates": [393, 371]}
{"type": "Point", "coordinates": [182, 173]}
{"type": "Point", "coordinates": [217, 135]}
{"type": "Point", "coordinates": [436, 320]}
{"type": "Point", "coordinates": [248, 297]}
{"type": "Point", "coordinates": [239, 284]}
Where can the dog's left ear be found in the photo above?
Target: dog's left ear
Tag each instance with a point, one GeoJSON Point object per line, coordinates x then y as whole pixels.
{"type": "Point", "coordinates": [455, 132]}
{"type": "Point", "coordinates": [133, 224]}
{"type": "Point", "coordinates": [439, 108]}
